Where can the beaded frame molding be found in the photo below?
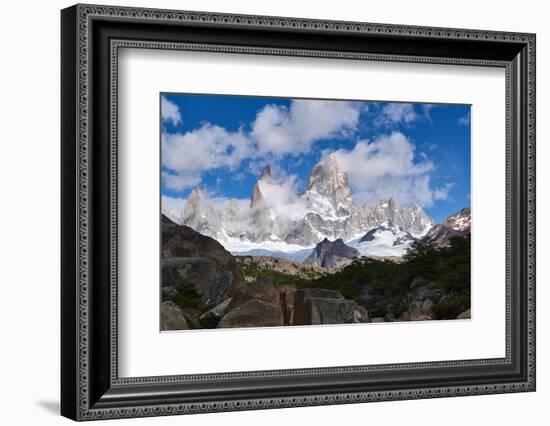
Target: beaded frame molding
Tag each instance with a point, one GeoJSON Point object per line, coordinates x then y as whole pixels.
{"type": "Point", "coordinates": [91, 39]}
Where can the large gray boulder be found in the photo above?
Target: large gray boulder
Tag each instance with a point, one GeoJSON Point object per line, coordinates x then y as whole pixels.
{"type": "Point", "coordinates": [219, 290]}
{"type": "Point", "coordinates": [191, 259]}
{"type": "Point", "coordinates": [333, 311]}
{"type": "Point", "coordinates": [264, 289]}
{"type": "Point", "coordinates": [253, 313]}
{"type": "Point", "coordinates": [419, 310]}
{"type": "Point", "coordinates": [420, 307]}
{"type": "Point", "coordinates": [302, 314]}
{"type": "Point", "coordinates": [321, 306]}
{"type": "Point", "coordinates": [212, 317]}
{"type": "Point", "coordinates": [172, 317]}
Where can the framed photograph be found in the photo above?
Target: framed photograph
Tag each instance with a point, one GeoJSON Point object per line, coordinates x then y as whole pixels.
{"type": "Point", "coordinates": [263, 212]}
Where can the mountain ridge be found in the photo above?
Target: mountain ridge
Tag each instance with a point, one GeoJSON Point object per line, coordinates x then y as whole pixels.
{"type": "Point", "coordinates": [331, 254]}
{"type": "Point", "coordinates": [326, 209]}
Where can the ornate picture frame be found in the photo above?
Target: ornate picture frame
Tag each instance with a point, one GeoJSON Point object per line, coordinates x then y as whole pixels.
{"type": "Point", "coordinates": [91, 37]}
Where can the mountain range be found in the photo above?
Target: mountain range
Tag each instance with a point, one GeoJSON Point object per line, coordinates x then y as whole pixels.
{"type": "Point", "coordinates": [388, 241]}
{"type": "Point", "coordinates": [280, 221]}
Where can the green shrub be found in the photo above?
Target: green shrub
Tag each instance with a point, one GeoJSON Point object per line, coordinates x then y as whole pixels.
{"type": "Point", "coordinates": [389, 283]}
{"type": "Point", "coordinates": [187, 297]}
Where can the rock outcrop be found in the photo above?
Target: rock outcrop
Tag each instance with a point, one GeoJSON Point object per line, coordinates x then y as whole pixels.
{"type": "Point", "coordinates": [421, 304]}
{"type": "Point", "coordinates": [255, 305]}
{"type": "Point", "coordinates": [264, 289]}
{"type": "Point", "coordinates": [253, 313]}
{"type": "Point", "coordinates": [320, 306]}
{"type": "Point", "coordinates": [212, 317]}
{"type": "Point", "coordinates": [328, 192]}
{"type": "Point", "coordinates": [331, 255]}
{"type": "Point", "coordinates": [172, 317]}
{"type": "Point", "coordinates": [419, 310]}
{"type": "Point", "coordinates": [197, 263]}
{"type": "Point", "coordinates": [411, 218]}
{"type": "Point", "coordinates": [257, 195]}
{"type": "Point", "coordinates": [456, 225]}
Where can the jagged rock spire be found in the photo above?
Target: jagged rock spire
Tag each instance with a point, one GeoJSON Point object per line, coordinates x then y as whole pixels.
{"type": "Point", "coordinates": [257, 195]}
{"type": "Point", "coordinates": [327, 181]}
{"type": "Point", "coordinates": [266, 171]}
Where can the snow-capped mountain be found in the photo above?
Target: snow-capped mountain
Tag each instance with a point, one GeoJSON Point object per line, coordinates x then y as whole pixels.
{"type": "Point", "coordinates": [202, 216]}
{"type": "Point", "coordinates": [328, 193]}
{"type": "Point", "coordinates": [456, 225]}
{"type": "Point", "coordinates": [257, 194]}
{"type": "Point", "coordinates": [461, 221]}
{"type": "Point", "coordinates": [411, 218]}
{"type": "Point", "coordinates": [283, 220]}
{"type": "Point", "coordinates": [386, 239]}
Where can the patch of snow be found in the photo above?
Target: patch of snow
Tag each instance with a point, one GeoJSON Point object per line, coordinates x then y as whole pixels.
{"type": "Point", "coordinates": [382, 244]}
{"type": "Point", "coordinates": [237, 246]}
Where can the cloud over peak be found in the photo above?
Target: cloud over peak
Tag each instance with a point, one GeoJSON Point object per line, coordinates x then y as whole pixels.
{"type": "Point", "coordinates": [276, 131]}
{"type": "Point", "coordinates": [386, 167]}
{"type": "Point", "coordinates": [280, 130]}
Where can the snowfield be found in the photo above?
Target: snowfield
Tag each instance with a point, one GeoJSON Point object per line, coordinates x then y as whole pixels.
{"type": "Point", "coordinates": [381, 245]}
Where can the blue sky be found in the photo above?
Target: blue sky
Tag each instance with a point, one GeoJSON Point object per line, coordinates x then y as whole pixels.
{"type": "Point", "coordinates": [417, 153]}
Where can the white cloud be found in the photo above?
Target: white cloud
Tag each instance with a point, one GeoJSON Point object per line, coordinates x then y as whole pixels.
{"type": "Point", "coordinates": [282, 198]}
{"type": "Point", "coordinates": [396, 113]}
{"type": "Point", "coordinates": [172, 206]}
{"type": "Point", "coordinates": [276, 131]}
{"type": "Point", "coordinates": [442, 193]}
{"type": "Point", "coordinates": [238, 176]}
{"type": "Point", "coordinates": [280, 130]}
{"type": "Point", "coordinates": [205, 148]}
{"type": "Point", "coordinates": [221, 203]}
{"type": "Point", "coordinates": [181, 181]}
{"type": "Point", "coordinates": [169, 111]}
{"type": "Point", "coordinates": [386, 167]}
{"type": "Point", "coordinates": [464, 120]}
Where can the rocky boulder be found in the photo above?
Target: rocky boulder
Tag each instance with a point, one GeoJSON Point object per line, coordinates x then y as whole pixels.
{"type": "Point", "coordinates": [253, 313]}
{"type": "Point", "coordinates": [321, 306]}
{"type": "Point", "coordinates": [254, 305]}
{"type": "Point", "coordinates": [212, 317]}
{"type": "Point", "coordinates": [263, 289]}
{"type": "Point", "coordinates": [172, 317]}
{"type": "Point", "coordinates": [333, 311]}
{"type": "Point", "coordinates": [193, 260]}
{"type": "Point", "coordinates": [418, 311]}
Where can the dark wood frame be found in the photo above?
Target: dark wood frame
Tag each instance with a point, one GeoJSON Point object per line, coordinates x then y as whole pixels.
{"type": "Point", "coordinates": [90, 386]}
